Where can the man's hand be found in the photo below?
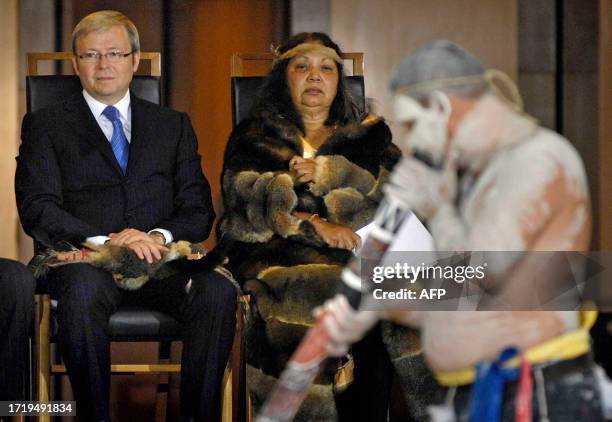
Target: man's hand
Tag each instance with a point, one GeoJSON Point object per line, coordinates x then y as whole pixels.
{"type": "Point", "coordinates": [128, 236]}
{"type": "Point", "coordinates": [343, 324]}
{"type": "Point", "coordinates": [148, 250]}
{"type": "Point", "coordinates": [335, 235]}
{"type": "Point", "coordinates": [303, 169]}
{"type": "Point", "coordinates": [422, 188]}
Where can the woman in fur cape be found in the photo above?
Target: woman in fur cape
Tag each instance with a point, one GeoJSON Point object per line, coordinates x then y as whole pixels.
{"type": "Point", "coordinates": [300, 176]}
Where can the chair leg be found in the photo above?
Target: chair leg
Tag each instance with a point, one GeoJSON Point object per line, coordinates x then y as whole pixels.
{"type": "Point", "coordinates": [31, 360]}
{"type": "Point", "coordinates": [239, 395]}
{"type": "Point", "coordinates": [227, 402]}
{"type": "Point", "coordinates": [161, 397]}
{"type": "Point", "coordinates": [43, 322]}
{"type": "Point", "coordinates": [233, 402]}
{"type": "Point", "coordinates": [249, 408]}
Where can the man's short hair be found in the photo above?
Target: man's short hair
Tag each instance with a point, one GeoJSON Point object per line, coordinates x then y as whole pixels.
{"type": "Point", "coordinates": [102, 20]}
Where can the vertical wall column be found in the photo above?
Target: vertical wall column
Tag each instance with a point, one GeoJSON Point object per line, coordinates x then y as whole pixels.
{"type": "Point", "coordinates": [310, 16]}
{"type": "Point", "coordinates": [37, 32]}
{"type": "Point", "coordinates": [579, 120]}
{"type": "Point", "coordinates": [9, 122]}
{"type": "Point", "coordinates": [558, 77]}
{"type": "Point", "coordinates": [605, 124]}
{"type": "Point", "coordinates": [537, 53]}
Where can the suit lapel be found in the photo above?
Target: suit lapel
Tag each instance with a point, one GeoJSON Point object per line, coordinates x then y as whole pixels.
{"type": "Point", "coordinates": [86, 129]}
{"type": "Point", "coordinates": [141, 122]}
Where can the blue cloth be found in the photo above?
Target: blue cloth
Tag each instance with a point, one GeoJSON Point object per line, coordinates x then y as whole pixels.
{"type": "Point", "coordinates": [118, 141]}
{"type": "Point", "coordinates": [488, 390]}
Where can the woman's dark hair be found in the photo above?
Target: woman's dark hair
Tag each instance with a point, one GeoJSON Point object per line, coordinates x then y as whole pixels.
{"type": "Point", "coordinates": [275, 96]}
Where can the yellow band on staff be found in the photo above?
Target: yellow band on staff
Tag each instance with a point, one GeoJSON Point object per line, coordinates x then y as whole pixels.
{"type": "Point", "coordinates": [567, 346]}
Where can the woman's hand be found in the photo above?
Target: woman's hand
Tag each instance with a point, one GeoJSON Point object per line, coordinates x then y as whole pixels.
{"type": "Point", "coordinates": [335, 235]}
{"type": "Point", "coordinates": [303, 169]}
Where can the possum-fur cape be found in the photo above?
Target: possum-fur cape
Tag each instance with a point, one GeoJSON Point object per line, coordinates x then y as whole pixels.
{"type": "Point", "coordinates": [281, 261]}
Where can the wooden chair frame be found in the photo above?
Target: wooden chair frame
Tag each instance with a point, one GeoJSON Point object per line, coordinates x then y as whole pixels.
{"type": "Point", "coordinates": [34, 58]}
{"type": "Point", "coordinates": [239, 60]}
{"type": "Point", "coordinates": [44, 368]}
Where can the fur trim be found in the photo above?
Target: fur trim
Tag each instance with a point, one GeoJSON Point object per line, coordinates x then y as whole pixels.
{"type": "Point", "coordinates": [418, 385]}
{"type": "Point", "coordinates": [376, 193]}
{"type": "Point", "coordinates": [348, 207]}
{"type": "Point", "coordinates": [241, 230]}
{"type": "Point", "coordinates": [290, 293]}
{"type": "Point", "coordinates": [268, 199]}
{"type": "Point", "coordinates": [285, 297]}
{"type": "Point", "coordinates": [401, 341]}
{"type": "Point", "coordinates": [333, 171]}
{"type": "Point", "coordinates": [281, 201]}
{"type": "Point", "coordinates": [416, 379]}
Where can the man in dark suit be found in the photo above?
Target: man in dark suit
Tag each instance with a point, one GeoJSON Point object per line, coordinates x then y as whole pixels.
{"type": "Point", "coordinates": [16, 314]}
{"type": "Point", "coordinates": [106, 166]}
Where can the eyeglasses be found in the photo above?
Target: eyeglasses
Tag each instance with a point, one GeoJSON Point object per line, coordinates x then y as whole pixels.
{"type": "Point", "coordinates": [111, 56]}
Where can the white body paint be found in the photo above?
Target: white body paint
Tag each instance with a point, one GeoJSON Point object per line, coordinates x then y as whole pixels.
{"type": "Point", "coordinates": [525, 190]}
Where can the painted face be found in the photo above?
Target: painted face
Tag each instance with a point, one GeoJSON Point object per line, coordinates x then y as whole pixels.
{"type": "Point", "coordinates": [104, 80]}
{"type": "Point", "coordinates": [426, 127]}
{"type": "Point", "coordinates": [313, 80]}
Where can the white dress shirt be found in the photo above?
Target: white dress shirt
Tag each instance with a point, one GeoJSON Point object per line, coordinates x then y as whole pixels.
{"type": "Point", "coordinates": [125, 115]}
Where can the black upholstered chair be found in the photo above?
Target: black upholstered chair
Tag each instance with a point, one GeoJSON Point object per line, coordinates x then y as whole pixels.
{"type": "Point", "coordinates": [127, 324]}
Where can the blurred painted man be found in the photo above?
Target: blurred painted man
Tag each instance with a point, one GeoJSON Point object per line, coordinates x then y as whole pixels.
{"type": "Point", "coordinates": [522, 188]}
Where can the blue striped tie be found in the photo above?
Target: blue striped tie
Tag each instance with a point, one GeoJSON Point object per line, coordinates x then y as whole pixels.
{"type": "Point", "coordinates": [118, 141]}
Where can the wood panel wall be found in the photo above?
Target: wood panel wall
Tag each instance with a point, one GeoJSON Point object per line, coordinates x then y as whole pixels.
{"type": "Point", "coordinates": [605, 124]}
{"type": "Point", "coordinates": [9, 127]}
{"type": "Point", "coordinates": [202, 38]}
{"type": "Point", "coordinates": [38, 14]}
{"type": "Point", "coordinates": [386, 31]}
{"type": "Point", "coordinates": [147, 15]}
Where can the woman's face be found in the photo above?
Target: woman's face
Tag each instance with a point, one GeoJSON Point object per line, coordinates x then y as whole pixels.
{"type": "Point", "coordinates": [313, 80]}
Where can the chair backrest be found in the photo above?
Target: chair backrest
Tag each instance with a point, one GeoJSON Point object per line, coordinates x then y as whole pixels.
{"type": "Point", "coordinates": [45, 90]}
{"type": "Point", "coordinates": [246, 86]}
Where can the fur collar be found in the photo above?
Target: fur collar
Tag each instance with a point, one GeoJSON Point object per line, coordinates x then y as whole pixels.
{"type": "Point", "coordinates": [372, 134]}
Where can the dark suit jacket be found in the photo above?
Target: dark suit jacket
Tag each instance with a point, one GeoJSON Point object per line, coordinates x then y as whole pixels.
{"type": "Point", "coordinates": [70, 187]}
